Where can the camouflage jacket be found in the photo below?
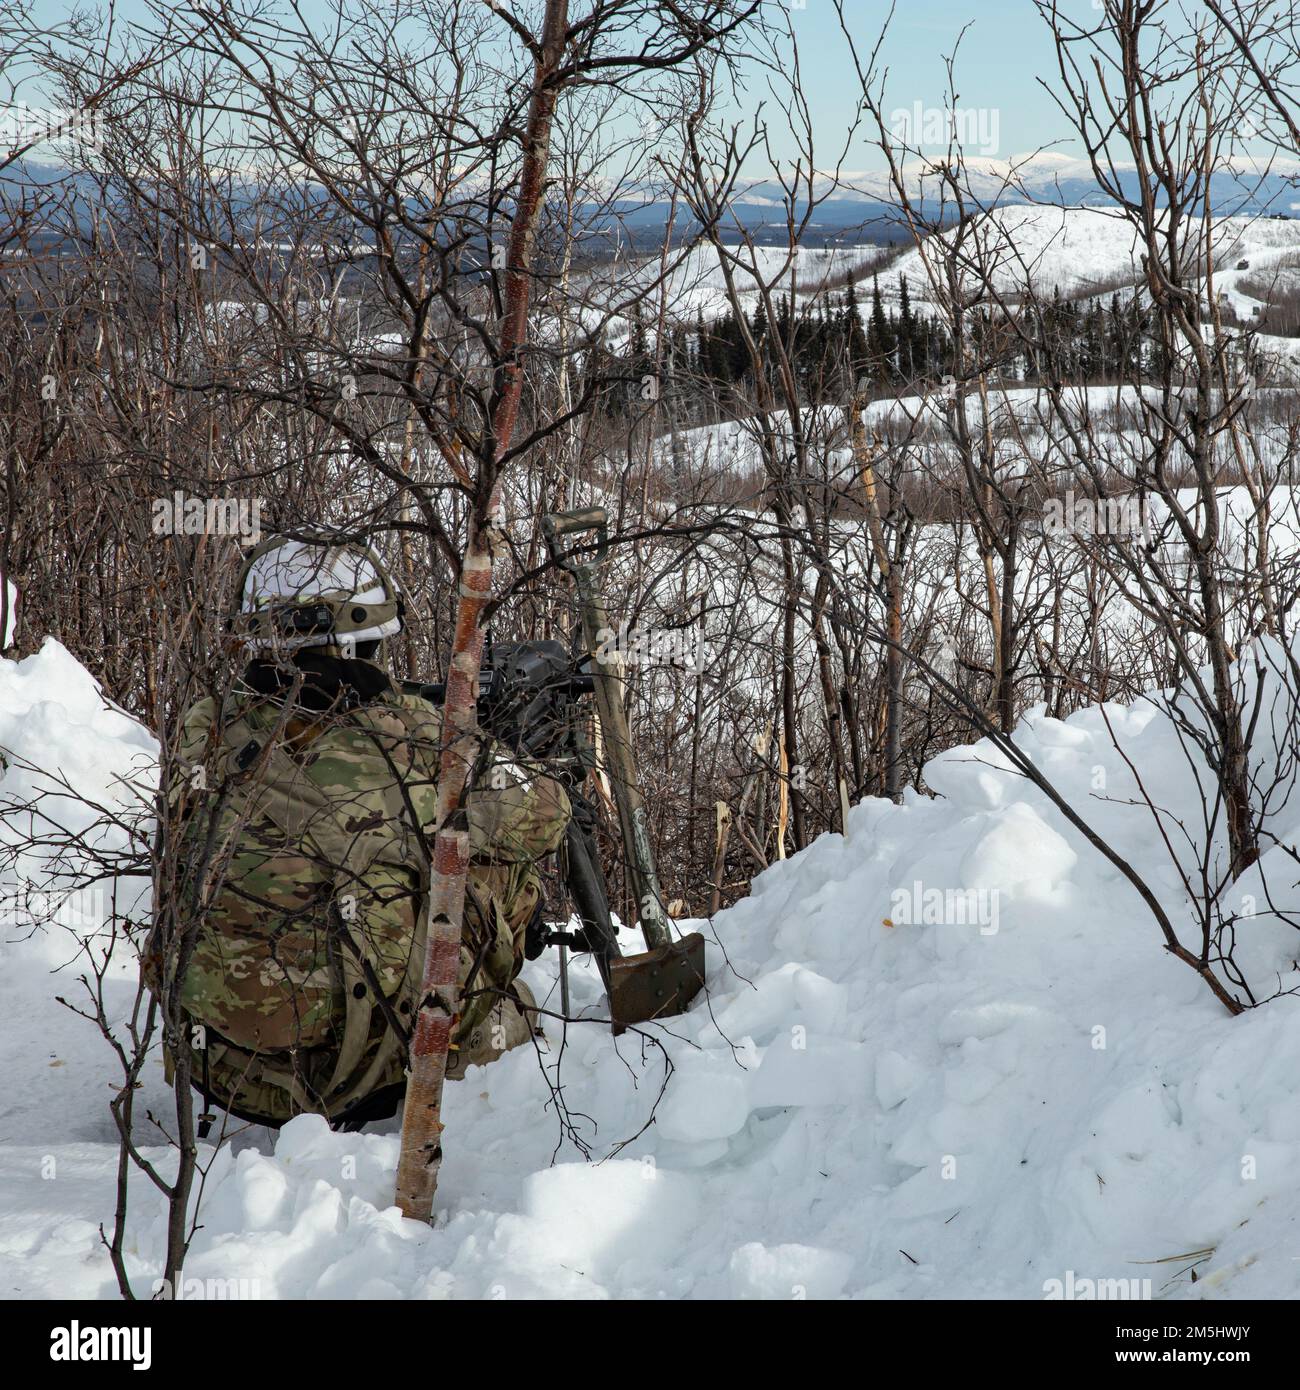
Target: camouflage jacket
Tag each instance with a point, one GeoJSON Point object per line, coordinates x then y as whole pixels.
{"type": "Point", "coordinates": [312, 943]}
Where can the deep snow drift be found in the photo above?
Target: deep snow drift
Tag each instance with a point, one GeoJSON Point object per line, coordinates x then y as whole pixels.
{"type": "Point", "coordinates": [919, 1109]}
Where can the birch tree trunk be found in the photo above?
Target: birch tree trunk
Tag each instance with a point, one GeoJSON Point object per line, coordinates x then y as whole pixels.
{"type": "Point", "coordinates": [421, 1148]}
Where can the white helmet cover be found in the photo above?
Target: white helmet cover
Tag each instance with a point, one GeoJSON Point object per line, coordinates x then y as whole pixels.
{"type": "Point", "coordinates": [286, 573]}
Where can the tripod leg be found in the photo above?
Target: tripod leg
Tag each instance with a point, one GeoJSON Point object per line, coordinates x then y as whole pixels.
{"type": "Point", "coordinates": [586, 883]}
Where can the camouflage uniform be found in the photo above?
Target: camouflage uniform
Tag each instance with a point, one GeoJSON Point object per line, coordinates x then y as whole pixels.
{"type": "Point", "coordinates": [313, 945]}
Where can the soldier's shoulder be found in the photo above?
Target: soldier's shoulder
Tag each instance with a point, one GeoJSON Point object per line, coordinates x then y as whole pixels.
{"type": "Point", "coordinates": [200, 715]}
{"type": "Point", "coordinates": [422, 709]}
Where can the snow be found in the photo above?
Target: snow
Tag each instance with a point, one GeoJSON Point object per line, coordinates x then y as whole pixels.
{"type": "Point", "coordinates": [1017, 247]}
{"type": "Point", "coordinates": [11, 614]}
{"type": "Point", "coordinates": [1073, 248]}
{"type": "Point", "coordinates": [1085, 251]}
{"type": "Point", "coordinates": [1055, 1095]}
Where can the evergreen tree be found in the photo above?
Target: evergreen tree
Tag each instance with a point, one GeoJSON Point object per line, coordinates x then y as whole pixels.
{"type": "Point", "coordinates": [736, 356]}
{"type": "Point", "coordinates": [880, 339]}
{"type": "Point", "coordinates": [758, 324]}
{"type": "Point", "coordinates": [906, 332]}
{"type": "Point", "coordinates": [855, 338]}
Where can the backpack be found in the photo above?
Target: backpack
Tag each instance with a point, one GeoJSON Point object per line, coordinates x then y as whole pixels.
{"type": "Point", "coordinates": [307, 964]}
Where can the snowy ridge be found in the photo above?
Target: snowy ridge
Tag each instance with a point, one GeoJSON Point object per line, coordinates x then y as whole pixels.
{"type": "Point", "coordinates": [1044, 247]}
{"type": "Point", "coordinates": [852, 1090]}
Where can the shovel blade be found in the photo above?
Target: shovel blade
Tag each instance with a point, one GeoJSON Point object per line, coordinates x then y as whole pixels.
{"type": "Point", "coordinates": [656, 984]}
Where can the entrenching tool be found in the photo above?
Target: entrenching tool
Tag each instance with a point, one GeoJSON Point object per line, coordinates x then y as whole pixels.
{"type": "Point", "coordinates": [661, 981]}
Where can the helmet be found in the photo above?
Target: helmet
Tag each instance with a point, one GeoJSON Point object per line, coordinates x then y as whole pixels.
{"type": "Point", "coordinates": [295, 593]}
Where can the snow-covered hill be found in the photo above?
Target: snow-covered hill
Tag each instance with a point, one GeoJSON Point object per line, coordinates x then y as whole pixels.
{"type": "Point", "coordinates": [878, 1099]}
{"type": "Point", "coordinates": [1079, 251]}
{"type": "Point", "coordinates": [1074, 249]}
{"type": "Point", "coordinates": [1087, 251]}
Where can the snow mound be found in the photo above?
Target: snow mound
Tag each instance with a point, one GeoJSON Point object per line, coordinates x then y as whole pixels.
{"type": "Point", "coordinates": [944, 1055]}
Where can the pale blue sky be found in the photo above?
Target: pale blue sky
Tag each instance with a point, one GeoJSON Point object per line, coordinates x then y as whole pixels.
{"type": "Point", "coordinates": [1005, 48]}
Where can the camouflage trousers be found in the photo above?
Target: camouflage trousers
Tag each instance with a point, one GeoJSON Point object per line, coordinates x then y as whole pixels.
{"type": "Point", "coordinates": [273, 1087]}
{"type": "Point", "coordinates": [356, 1064]}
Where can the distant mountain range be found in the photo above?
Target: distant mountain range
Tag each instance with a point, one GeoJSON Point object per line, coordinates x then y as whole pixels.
{"type": "Point", "coordinates": [861, 207]}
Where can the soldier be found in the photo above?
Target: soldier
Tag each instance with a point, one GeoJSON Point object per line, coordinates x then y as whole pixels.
{"type": "Point", "coordinates": [306, 967]}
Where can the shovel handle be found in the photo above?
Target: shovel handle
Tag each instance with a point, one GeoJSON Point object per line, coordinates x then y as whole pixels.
{"type": "Point", "coordinates": [556, 525]}
{"type": "Point", "coordinates": [613, 719]}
